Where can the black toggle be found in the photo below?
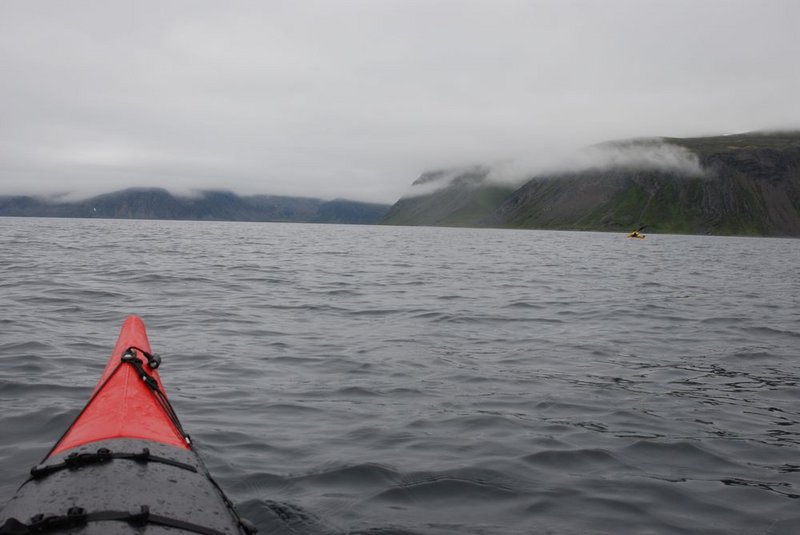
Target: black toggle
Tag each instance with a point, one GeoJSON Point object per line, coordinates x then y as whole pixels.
{"type": "Point", "coordinates": [153, 359]}
{"type": "Point", "coordinates": [130, 357]}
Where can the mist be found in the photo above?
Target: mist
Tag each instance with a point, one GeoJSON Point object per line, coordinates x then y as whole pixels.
{"type": "Point", "coordinates": [355, 99]}
{"type": "Point", "coordinates": [650, 154]}
{"type": "Point", "coordinates": [433, 181]}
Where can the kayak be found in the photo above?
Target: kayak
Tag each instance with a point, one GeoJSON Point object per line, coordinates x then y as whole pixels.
{"type": "Point", "coordinates": [636, 236]}
{"type": "Point", "coordinates": [125, 465]}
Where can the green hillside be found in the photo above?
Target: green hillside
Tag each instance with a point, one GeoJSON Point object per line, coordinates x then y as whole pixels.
{"type": "Point", "coordinates": [746, 184]}
{"type": "Point", "coordinates": [459, 198]}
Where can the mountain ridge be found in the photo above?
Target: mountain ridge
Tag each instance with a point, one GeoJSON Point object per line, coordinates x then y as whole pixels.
{"type": "Point", "coordinates": [207, 205]}
{"type": "Point", "coordinates": [743, 184]}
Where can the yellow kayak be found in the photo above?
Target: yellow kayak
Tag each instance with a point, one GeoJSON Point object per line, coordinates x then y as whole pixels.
{"type": "Point", "coordinates": [636, 235]}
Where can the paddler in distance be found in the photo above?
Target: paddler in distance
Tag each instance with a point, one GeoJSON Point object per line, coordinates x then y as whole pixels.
{"type": "Point", "coordinates": [637, 233]}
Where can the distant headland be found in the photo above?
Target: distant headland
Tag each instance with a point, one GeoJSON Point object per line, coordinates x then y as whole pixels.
{"type": "Point", "coordinates": [156, 203]}
{"type": "Point", "coordinates": [745, 184]}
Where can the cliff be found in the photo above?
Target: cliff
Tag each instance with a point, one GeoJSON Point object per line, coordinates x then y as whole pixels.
{"type": "Point", "coordinates": [747, 184]}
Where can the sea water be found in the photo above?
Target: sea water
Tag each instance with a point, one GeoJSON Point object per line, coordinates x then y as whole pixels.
{"type": "Point", "coordinates": [369, 379]}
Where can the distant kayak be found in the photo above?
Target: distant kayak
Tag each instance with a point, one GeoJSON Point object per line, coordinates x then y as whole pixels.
{"type": "Point", "coordinates": [636, 235]}
{"type": "Point", "coordinates": [125, 465]}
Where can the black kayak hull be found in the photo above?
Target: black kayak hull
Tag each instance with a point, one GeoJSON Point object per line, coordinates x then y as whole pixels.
{"type": "Point", "coordinates": [121, 486]}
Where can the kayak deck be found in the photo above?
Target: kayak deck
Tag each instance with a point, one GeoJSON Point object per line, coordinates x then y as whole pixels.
{"type": "Point", "coordinates": [119, 487]}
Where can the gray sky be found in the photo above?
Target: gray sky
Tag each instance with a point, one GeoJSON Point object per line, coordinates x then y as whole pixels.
{"type": "Point", "coordinates": [355, 99]}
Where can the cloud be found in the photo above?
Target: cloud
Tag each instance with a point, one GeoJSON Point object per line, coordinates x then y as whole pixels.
{"type": "Point", "coordinates": [354, 99]}
{"type": "Point", "coordinates": [433, 181]}
{"type": "Point", "coordinates": [639, 154]}
{"type": "Point", "coordinates": [650, 154]}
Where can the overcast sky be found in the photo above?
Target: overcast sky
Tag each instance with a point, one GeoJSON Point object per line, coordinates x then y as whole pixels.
{"type": "Point", "coordinates": [355, 99]}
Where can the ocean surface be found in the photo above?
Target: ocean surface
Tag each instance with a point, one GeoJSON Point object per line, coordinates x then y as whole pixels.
{"type": "Point", "coordinates": [395, 380]}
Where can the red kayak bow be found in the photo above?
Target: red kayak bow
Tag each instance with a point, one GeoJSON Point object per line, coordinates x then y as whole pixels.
{"type": "Point", "coordinates": [125, 466]}
{"type": "Point", "coordinates": [126, 402]}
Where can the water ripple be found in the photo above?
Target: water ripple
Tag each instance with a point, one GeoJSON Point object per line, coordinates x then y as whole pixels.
{"type": "Point", "coordinates": [389, 380]}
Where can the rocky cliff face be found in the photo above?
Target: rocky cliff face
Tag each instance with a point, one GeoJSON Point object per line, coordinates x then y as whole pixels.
{"type": "Point", "coordinates": [749, 185]}
{"type": "Point", "coordinates": [745, 184]}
